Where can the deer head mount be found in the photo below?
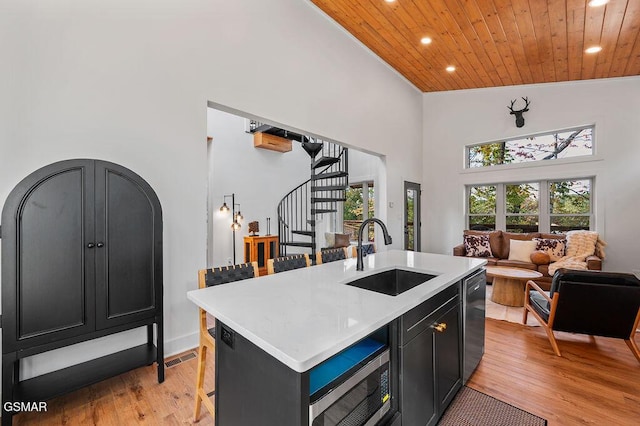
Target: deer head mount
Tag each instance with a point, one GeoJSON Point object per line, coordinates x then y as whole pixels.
{"type": "Point", "coordinates": [518, 113]}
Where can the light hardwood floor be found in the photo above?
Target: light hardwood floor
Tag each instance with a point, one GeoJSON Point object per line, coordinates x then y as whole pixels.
{"type": "Point", "coordinates": [595, 382]}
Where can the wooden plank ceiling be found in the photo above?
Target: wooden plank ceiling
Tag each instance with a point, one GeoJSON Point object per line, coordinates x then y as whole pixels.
{"type": "Point", "coordinates": [495, 42]}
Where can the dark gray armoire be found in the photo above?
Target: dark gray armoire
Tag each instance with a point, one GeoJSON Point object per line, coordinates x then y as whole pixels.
{"type": "Point", "coordinates": [81, 259]}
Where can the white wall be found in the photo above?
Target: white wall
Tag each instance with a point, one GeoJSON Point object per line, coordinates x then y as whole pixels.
{"type": "Point", "coordinates": [455, 119]}
{"type": "Point", "coordinates": [128, 81]}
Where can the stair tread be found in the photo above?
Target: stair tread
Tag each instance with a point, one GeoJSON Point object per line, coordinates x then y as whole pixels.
{"type": "Point", "coordinates": [297, 244]}
{"type": "Point", "coordinates": [315, 211]}
{"type": "Point", "coordinates": [329, 175]}
{"type": "Point", "coordinates": [324, 161]}
{"type": "Point", "coordinates": [327, 199]}
{"type": "Point", "coordinates": [309, 233]}
{"type": "Point", "coordinates": [328, 188]}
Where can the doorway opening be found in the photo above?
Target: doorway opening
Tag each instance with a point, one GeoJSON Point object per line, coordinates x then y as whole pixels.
{"type": "Point", "coordinates": [412, 216]}
{"type": "Point", "coordinates": [259, 179]}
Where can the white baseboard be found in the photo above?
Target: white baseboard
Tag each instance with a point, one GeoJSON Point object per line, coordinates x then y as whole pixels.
{"type": "Point", "coordinates": [180, 344]}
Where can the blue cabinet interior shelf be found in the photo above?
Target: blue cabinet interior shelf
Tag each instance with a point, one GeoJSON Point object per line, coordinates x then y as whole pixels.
{"type": "Point", "coordinates": [330, 370]}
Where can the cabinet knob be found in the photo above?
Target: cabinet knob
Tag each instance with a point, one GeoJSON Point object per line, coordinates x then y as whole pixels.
{"type": "Point", "coordinates": [440, 327]}
{"type": "Point", "coordinates": [90, 245]}
{"type": "Point", "coordinates": [100, 245]}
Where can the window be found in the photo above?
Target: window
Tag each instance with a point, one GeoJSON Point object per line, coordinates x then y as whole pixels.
{"type": "Point", "coordinates": [357, 196]}
{"type": "Point", "coordinates": [547, 146]}
{"type": "Point", "coordinates": [522, 207]}
{"type": "Point", "coordinates": [543, 206]}
{"type": "Point", "coordinates": [570, 204]}
{"type": "Point", "coordinates": [482, 208]}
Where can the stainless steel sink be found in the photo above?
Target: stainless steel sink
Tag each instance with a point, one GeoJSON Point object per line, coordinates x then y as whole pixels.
{"type": "Point", "coordinates": [392, 282]}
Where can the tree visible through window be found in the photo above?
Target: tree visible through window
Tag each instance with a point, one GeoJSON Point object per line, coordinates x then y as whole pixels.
{"type": "Point", "coordinates": [550, 146]}
{"type": "Point", "coordinates": [570, 204]}
{"type": "Point", "coordinates": [482, 208]}
{"type": "Point", "coordinates": [354, 211]}
{"type": "Point", "coordinates": [522, 207]}
{"type": "Point", "coordinates": [544, 206]}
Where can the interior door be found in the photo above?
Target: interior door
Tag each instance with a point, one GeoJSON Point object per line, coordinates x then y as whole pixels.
{"type": "Point", "coordinates": [411, 216]}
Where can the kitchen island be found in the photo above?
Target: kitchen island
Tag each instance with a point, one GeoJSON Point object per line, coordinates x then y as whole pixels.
{"type": "Point", "coordinates": [291, 322]}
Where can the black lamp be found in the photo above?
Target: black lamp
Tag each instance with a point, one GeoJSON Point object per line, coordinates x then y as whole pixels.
{"type": "Point", "coordinates": [237, 217]}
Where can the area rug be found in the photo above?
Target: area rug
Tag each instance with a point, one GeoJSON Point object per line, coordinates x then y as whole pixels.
{"type": "Point", "coordinates": [507, 313]}
{"type": "Point", "coordinates": [473, 408]}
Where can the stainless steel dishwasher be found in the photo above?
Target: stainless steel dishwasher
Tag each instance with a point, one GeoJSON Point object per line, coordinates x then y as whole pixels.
{"type": "Point", "coordinates": [474, 293]}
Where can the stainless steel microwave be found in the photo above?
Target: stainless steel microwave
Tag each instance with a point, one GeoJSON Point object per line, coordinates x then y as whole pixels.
{"type": "Point", "coordinates": [361, 400]}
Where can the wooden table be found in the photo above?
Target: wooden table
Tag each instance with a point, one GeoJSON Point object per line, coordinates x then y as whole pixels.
{"type": "Point", "coordinates": [509, 283]}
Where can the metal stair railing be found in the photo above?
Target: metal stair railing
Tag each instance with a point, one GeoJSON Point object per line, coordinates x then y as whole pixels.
{"type": "Point", "coordinates": [298, 209]}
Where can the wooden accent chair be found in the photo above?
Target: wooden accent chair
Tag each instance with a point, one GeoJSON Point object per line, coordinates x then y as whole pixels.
{"type": "Point", "coordinates": [367, 248]}
{"type": "Point", "coordinates": [288, 263]}
{"type": "Point", "coordinates": [208, 278]}
{"type": "Point", "coordinates": [331, 255]}
{"type": "Point", "coordinates": [587, 302]}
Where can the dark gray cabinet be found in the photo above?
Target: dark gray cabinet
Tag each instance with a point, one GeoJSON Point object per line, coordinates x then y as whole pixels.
{"type": "Point", "coordinates": [425, 349]}
{"type": "Point", "coordinates": [81, 258]}
{"type": "Point", "coordinates": [429, 357]}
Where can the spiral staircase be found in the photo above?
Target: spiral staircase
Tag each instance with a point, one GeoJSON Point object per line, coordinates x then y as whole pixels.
{"type": "Point", "coordinates": [301, 208]}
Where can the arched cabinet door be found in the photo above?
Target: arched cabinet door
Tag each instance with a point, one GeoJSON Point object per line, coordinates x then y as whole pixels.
{"type": "Point", "coordinates": [128, 236]}
{"type": "Point", "coordinates": [47, 277]}
{"type": "Point", "coordinates": [81, 251]}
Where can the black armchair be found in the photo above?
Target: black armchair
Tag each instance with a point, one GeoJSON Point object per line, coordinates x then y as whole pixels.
{"type": "Point", "coordinates": [587, 302]}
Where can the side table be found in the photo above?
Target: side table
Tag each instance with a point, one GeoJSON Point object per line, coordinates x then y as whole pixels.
{"type": "Point", "coordinates": [509, 283]}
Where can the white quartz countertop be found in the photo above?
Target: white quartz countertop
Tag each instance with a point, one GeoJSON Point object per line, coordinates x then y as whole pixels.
{"type": "Point", "coordinates": [304, 316]}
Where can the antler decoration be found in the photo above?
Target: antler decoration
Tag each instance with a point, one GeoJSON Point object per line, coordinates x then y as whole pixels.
{"type": "Point", "coordinates": [518, 113]}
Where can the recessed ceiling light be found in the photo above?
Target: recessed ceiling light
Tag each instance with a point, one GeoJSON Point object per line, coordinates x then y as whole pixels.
{"type": "Point", "coordinates": [450, 68]}
{"type": "Point", "coordinates": [425, 40]}
{"type": "Point", "coordinates": [390, 1]}
{"type": "Point", "coordinates": [593, 49]}
{"type": "Point", "coordinates": [596, 3]}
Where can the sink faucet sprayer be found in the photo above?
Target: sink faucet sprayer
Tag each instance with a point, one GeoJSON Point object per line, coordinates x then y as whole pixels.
{"type": "Point", "coordinates": [387, 239]}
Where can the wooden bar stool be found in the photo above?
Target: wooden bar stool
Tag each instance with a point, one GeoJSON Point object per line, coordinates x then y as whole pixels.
{"type": "Point", "coordinates": [208, 278]}
{"type": "Point", "coordinates": [287, 263]}
{"type": "Point", "coordinates": [331, 255]}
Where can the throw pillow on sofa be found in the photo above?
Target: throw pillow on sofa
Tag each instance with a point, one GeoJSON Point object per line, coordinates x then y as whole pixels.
{"type": "Point", "coordinates": [539, 257]}
{"type": "Point", "coordinates": [335, 240]}
{"type": "Point", "coordinates": [330, 238]}
{"type": "Point", "coordinates": [477, 246]}
{"type": "Point", "coordinates": [553, 247]}
{"type": "Point", "coordinates": [521, 250]}
{"type": "Point", "coordinates": [342, 240]}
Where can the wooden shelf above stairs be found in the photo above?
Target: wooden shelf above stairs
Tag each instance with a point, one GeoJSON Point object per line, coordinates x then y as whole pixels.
{"type": "Point", "coordinates": [271, 142]}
